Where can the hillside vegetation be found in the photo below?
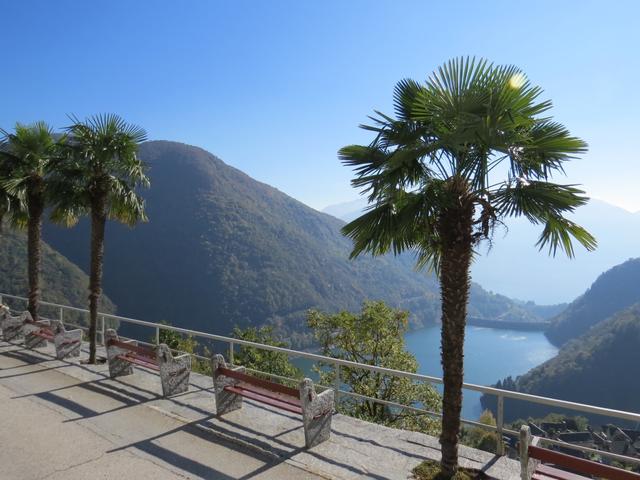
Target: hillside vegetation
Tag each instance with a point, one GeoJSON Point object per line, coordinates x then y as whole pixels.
{"type": "Point", "coordinates": [613, 291]}
{"type": "Point", "coordinates": [597, 368]}
{"type": "Point", "coordinates": [221, 249]}
{"type": "Point", "coordinates": [62, 281]}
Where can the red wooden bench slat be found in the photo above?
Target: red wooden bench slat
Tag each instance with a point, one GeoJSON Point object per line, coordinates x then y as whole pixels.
{"type": "Point", "coordinates": [144, 351]}
{"type": "Point", "coordinates": [269, 401]}
{"type": "Point", "coordinates": [142, 361]}
{"type": "Point", "coordinates": [581, 465]}
{"type": "Point", "coordinates": [48, 334]}
{"type": "Point", "coordinates": [266, 384]}
{"type": "Point", "coordinates": [270, 394]}
{"type": "Point", "coordinates": [556, 473]}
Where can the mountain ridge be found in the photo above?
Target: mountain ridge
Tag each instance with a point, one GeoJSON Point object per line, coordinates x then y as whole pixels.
{"type": "Point", "coordinates": [612, 291]}
{"type": "Point", "coordinates": [222, 249]}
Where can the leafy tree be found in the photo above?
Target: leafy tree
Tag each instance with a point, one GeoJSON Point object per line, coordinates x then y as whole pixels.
{"type": "Point", "coordinates": [375, 336]}
{"type": "Point", "coordinates": [480, 438]}
{"type": "Point", "coordinates": [275, 363]}
{"type": "Point", "coordinates": [27, 155]}
{"type": "Point", "coordinates": [100, 178]}
{"type": "Point", "coordinates": [466, 149]}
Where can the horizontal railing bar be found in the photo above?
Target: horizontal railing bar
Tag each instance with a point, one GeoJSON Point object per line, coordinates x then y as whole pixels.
{"type": "Point", "coordinates": [582, 448]}
{"type": "Point", "coordinates": [390, 403]}
{"type": "Point", "coordinates": [634, 417]}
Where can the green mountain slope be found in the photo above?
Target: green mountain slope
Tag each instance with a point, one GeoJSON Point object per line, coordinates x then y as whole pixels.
{"type": "Point", "coordinates": [62, 281]}
{"type": "Point", "coordinates": [597, 368]}
{"type": "Point", "coordinates": [222, 249]}
{"type": "Point", "coordinates": [614, 290]}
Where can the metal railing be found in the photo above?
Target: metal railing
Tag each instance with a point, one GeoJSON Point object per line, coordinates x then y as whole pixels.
{"type": "Point", "coordinates": [336, 363]}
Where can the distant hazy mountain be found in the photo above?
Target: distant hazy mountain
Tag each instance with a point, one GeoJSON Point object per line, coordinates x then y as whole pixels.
{"type": "Point", "coordinates": [614, 290]}
{"type": "Point", "coordinates": [598, 368]}
{"type": "Point", "coordinates": [347, 211]}
{"type": "Point", "coordinates": [222, 249]}
{"type": "Point", "coordinates": [515, 267]}
{"type": "Point", "coordinates": [62, 281]}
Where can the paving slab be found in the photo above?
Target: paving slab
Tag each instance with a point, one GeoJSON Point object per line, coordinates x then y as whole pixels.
{"type": "Point", "coordinates": [183, 436]}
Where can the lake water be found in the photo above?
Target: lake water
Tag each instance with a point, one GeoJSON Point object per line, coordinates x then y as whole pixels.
{"type": "Point", "coordinates": [491, 354]}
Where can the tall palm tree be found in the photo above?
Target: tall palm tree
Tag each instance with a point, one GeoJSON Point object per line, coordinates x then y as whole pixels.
{"type": "Point", "coordinates": [100, 178]}
{"type": "Point", "coordinates": [465, 150]}
{"type": "Point", "coordinates": [27, 155]}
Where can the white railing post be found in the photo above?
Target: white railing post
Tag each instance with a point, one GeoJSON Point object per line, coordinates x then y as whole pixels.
{"type": "Point", "coordinates": [525, 440]}
{"type": "Point", "coordinates": [61, 314]}
{"type": "Point", "coordinates": [500, 426]}
{"type": "Point", "coordinates": [336, 385]}
{"type": "Point", "coordinates": [158, 335]}
{"type": "Point", "coordinates": [232, 346]}
{"type": "Point", "coordinates": [102, 329]}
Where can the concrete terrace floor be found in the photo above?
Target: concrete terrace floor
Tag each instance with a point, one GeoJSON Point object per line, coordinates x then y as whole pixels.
{"type": "Point", "coordinates": [63, 420]}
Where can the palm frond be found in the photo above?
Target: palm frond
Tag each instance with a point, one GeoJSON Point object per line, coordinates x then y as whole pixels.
{"type": "Point", "coordinates": [535, 199]}
{"type": "Point", "coordinates": [558, 233]}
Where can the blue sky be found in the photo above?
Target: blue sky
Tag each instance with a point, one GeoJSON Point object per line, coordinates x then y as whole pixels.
{"type": "Point", "coordinates": [275, 88]}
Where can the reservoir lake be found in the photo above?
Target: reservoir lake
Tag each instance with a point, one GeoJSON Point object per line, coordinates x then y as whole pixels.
{"type": "Point", "coordinates": [491, 354]}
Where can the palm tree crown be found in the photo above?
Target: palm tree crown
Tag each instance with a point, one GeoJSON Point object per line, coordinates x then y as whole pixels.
{"type": "Point", "coordinates": [101, 163]}
{"type": "Point", "coordinates": [26, 156]}
{"type": "Point", "coordinates": [450, 139]}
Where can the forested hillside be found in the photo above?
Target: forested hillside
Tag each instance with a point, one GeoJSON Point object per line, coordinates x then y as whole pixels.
{"type": "Point", "coordinates": [62, 281]}
{"type": "Point", "coordinates": [614, 290]}
{"type": "Point", "coordinates": [598, 368]}
{"type": "Point", "coordinates": [221, 249]}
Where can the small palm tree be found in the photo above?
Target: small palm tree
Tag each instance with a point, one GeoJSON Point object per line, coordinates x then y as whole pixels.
{"type": "Point", "coordinates": [100, 177]}
{"type": "Point", "coordinates": [465, 150]}
{"type": "Point", "coordinates": [27, 155]}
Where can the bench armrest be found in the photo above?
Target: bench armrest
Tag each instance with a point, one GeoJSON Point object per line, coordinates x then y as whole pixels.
{"type": "Point", "coordinates": [324, 402]}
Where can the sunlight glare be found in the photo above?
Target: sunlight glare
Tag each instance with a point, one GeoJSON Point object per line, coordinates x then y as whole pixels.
{"type": "Point", "coordinates": [517, 80]}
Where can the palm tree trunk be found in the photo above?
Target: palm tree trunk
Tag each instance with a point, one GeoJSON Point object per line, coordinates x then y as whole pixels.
{"type": "Point", "coordinates": [98, 220]}
{"type": "Point", "coordinates": [456, 229]}
{"type": "Point", "coordinates": [35, 206]}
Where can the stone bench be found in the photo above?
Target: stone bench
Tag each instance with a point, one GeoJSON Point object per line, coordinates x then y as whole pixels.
{"type": "Point", "coordinates": [4, 311]}
{"type": "Point", "coordinates": [66, 342]}
{"type": "Point", "coordinates": [232, 384]}
{"type": "Point", "coordinates": [13, 326]}
{"type": "Point", "coordinates": [123, 354]}
{"type": "Point", "coordinates": [36, 334]}
{"type": "Point", "coordinates": [539, 463]}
